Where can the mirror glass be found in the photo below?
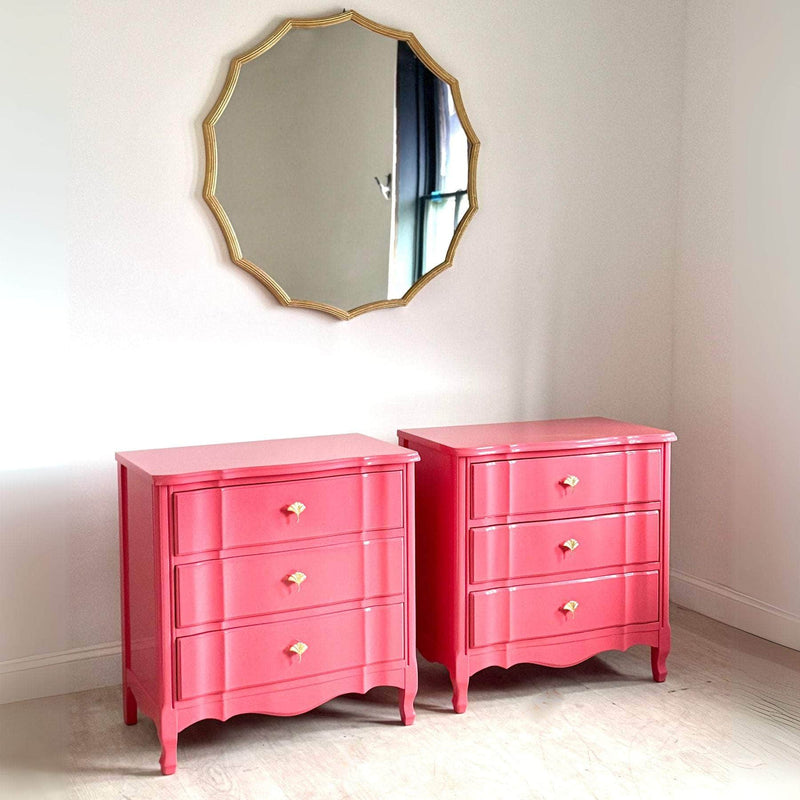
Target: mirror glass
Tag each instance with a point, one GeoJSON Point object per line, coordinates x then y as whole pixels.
{"type": "Point", "coordinates": [341, 165]}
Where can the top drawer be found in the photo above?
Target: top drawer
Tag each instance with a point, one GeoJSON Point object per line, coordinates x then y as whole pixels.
{"type": "Point", "coordinates": [241, 516]}
{"type": "Point", "coordinates": [531, 485]}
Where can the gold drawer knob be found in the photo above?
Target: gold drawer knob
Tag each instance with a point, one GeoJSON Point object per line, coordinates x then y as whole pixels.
{"type": "Point", "coordinates": [570, 607]}
{"type": "Point", "coordinates": [570, 544]}
{"type": "Point", "coordinates": [299, 648]}
{"type": "Point", "coordinates": [571, 480]}
{"type": "Point", "coordinates": [296, 508]}
{"type": "Point", "coordinates": [297, 578]}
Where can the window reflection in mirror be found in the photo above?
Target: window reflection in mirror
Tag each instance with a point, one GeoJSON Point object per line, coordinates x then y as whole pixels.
{"type": "Point", "coordinates": [432, 169]}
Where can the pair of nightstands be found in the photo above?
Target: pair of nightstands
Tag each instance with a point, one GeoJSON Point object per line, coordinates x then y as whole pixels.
{"type": "Point", "coordinates": [273, 576]}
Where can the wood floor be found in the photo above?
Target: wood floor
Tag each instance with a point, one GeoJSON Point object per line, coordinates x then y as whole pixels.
{"type": "Point", "coordinates": [725, 724]}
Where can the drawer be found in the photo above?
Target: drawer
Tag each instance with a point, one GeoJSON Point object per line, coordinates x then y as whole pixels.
{"type": "Point", "coordinates": [505, 552]}
{"type": "Point", "coordinates": [223, 661]}
{"type": "Point", "coordinates": [238, 516]}
{"type": "Point", "coordinates": [530, 485]}
{"type": "Point", "coordinates": [230, 588]}
{"type": "Point", "coordinates": [498, 616]}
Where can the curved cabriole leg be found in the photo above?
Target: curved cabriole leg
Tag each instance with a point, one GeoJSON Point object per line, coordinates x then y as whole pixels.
{"type": "Point", "coordinates": [460, 685]}
{"type": "Point", "coordinates": [658, 662]}
{"type": "Point", "coordinates": [407, 713]}
{"type": "Point", "coordinates": [407, 695]}
{"type": "Point", "coordinates": [168, 734]}
{"type": "Point", "coordinates": [169, 755]}
{"type": "Point", "coordinates": [658, 657]}
{"type": "Point", "coordinates": [129, 709]}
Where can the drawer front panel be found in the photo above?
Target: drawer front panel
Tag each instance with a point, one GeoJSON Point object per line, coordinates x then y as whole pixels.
{"type": "Point", "coordinates": [261, 584]}
{"type": "Point", "coordinates": [240, 516]}
{"type": "Point", "coordinates": [498, 616]}
{"type": "Point", "coordinates": [505, 552]}
{"type": "Point", "coordinates": [223, 661]}
{"type": "Point", "coordinates": [530, 485]}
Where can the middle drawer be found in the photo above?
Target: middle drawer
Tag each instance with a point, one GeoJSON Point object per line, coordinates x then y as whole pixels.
{"type": "Point", "coordinates": [527, 549]}
{"type": "Point", "coordinates": [229, 588]}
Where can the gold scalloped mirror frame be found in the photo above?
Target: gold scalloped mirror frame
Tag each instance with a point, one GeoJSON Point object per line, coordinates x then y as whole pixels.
{"type": "Point", "coordinates": [209, 135]}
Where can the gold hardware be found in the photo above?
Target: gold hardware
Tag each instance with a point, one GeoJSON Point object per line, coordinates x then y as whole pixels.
{"type": "Point", "coordinates": [570, 544]}
{"type": "Point", "coordinates": [571, 480]}
{"type": "Point", "coordinates": [297, 577]}
{"type": "Point", "coordinates": [296, 508]}
{"type": "Point", "coordinates": [570, 607]}
{"type": "Point", "coordinates": [299, 648]}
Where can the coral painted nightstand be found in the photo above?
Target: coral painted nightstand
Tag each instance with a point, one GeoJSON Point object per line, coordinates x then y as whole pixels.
{"type": "Point", "coordinates": [543, 542]}
{"type": "Point", "coordinates": [265, 577]}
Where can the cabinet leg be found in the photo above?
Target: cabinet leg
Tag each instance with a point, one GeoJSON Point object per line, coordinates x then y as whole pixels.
{"type": "Point", "coordinates": [129, 708]}
{"type": "Point", "coordinates": [658, 662]}
{"type": "Point", "coordinates": [168, 734]}
{"type": "Point", "coordinates": [658, 655]}
{"type": "Point", "coordinates": [460, 684]}
{"type": "Point", "coordinates": [169, 755]}
{"type": "Point", "coordinates": [408, 693]}
{"type": "Point", "coordinates": [407, 713]}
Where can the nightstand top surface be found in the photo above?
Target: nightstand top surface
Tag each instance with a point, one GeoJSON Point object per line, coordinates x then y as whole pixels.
{"type": "Point", "coordinates": [551, 434]}
{"type": "Point", "coordinates": [243, 459]}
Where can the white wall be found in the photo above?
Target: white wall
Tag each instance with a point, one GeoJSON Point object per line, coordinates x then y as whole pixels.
{"type": "Point", "coordinates": [127, 326]}
{"type": "Point", "coordinates": [736, 505]}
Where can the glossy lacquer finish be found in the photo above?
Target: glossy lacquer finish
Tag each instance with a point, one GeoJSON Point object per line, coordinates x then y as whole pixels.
{"type": "Point", "coordinates": [264, 577]}
{"type": "Point", "coordinates": [543, 542]}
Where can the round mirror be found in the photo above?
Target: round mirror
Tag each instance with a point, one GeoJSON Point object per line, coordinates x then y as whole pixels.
{"type": "Point", "coordinates": [340, 164]}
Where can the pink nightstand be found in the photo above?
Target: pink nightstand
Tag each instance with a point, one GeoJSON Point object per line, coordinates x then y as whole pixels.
{"type": "Point", "coordinates": [265, 577]}
{"type": "Point", "coordinates": [543, 542]}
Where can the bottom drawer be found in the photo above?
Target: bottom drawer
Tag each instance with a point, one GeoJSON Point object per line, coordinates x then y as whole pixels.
{"type": "Point", "coordinates": [529, 612]}
{"type": "Point", "coordinates": [222, 661]}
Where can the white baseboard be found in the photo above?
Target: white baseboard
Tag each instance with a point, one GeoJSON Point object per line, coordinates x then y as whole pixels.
{"type": "Point", "coordinates": [735, 608]}
{"type": "Point", "coordinates": [60, 673]}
